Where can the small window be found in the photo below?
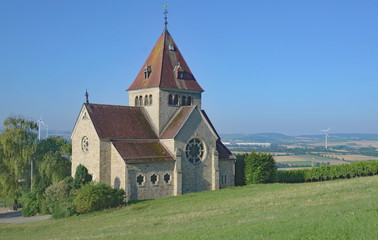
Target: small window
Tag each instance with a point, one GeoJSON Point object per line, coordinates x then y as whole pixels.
{"type": "Point", "coordinates": [150, 100]}
{"type": "Point", "coordinates": [183, 101]}
{"type": "Point", "coordinates": [180, 75]}
{"type": "Point", "coordinates": [154, 179]}
{"type": "Point", "coordinates": [175, 100]}
{"type": "Point", "coordinates": [146, 100]}
{"type": "Point", "coordinates": [167, 178]}
{"type": "Point", "coordinates": [140, 180]}
{"type": "Point", "coordinates": [171, 48]}
{"type": "Point", "coordinates": [136, 101]}
{"type": "Point", "coordinates": [147, 71]}
{"type": "Point", "coordinates": [189, 102]}
{"type": "Point", "coordinates": [140, 101]}
{"type": "Point", "coordinates": [170, 99]}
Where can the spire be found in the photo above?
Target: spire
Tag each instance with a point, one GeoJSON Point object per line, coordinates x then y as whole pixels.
{"type": "Point", "coordinates": [165, 5]}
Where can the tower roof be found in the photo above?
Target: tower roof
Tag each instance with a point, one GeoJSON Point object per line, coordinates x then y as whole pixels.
{"type": "Point", "coordinates": [165, 67]}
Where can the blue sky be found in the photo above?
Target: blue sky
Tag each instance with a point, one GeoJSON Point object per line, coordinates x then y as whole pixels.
{"type": "Point", "coordinates": [291, 67]}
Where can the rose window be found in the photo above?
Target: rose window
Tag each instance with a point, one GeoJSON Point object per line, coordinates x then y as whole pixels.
{"type": "Point", "coordinates": [194, 151]}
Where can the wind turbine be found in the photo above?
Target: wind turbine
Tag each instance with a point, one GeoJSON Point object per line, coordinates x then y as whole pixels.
{"type": "Point", "coordinates": [39, 128]}
{"type": "Point", "coordinates": [326, 136]}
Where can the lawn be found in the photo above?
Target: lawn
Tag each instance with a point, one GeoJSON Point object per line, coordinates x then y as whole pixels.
{"type": "Point", "coordinates": [341, 209]}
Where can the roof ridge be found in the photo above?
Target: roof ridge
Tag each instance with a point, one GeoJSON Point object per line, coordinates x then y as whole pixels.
{"type": "Point", "coordinates": [162, 61]}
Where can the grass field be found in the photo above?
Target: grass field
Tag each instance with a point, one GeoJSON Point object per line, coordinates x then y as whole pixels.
{"type": "Point", "coordinates": [342, 209]}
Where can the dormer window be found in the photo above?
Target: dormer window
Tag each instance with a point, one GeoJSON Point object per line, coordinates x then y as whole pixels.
{"type": "Point", "coordinates": [147, 71]}
{"type": "Point", "coordinates": [179, 71]}
{"type": "Point", "coordinates": [171, 48]}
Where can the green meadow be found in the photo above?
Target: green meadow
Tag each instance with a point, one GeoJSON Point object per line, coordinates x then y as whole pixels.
{"type": "Point", "coordinates": [340, 209]}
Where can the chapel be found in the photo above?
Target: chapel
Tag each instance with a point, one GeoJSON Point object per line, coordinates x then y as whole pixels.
{"type": "Point", "coordinates": [162, 143]}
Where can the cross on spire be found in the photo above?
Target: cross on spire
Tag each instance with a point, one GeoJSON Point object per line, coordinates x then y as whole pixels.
{"type": "Point", "coordinates": [165, 5]}
{"type": "Point", "coordinates": [86, 96]}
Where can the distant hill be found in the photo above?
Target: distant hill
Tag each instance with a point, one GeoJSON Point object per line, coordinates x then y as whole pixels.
{"type": "Point", "coordinates": [277, 138]}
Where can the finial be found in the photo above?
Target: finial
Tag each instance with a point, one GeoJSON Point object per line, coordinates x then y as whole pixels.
{"type": "Point", "coordinates": [165, 5]}
{"type": "Point", "coordinates": [86, 95]}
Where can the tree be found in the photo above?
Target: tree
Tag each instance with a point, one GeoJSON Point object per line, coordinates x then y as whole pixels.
{"type": "Point", "coordinates": [17, 146]}
{"type": "Point", "coordinates": [53, 163]}
{"type": "Point", "coordinates": [81, 176]}
{"type": "Point", "coordinates": [260, 168]}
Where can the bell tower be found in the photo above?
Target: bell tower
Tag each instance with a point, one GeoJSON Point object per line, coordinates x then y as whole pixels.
{"type": "Point", "coordinates": [165, 83]}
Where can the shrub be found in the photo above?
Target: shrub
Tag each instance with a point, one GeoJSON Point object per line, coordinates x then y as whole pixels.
{"type": "Point", "coordinates": [81, 176]}
{"type": "Point", "coordinates": [33, 203]}
{"type": "Point", "coordinates": [63, 208]}
{"type": "Point", "coordinates": [55, 194]}
{"type": "Point", "coordinates": [357, 169]}
{"type": "Point", "coordinates": [260, 168]}
{"type": "Point", "coordinates": [239, 169]}
{"type": "Point", "coordinates": [96, 196]}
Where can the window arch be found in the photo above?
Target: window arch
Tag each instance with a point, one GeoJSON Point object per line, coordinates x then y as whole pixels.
{"type": "Point", "coordinates": [170, 99]}
{"type": "Point", "coordinates": [150, 100]}
{"type": "Point", "coordinates": [136, 101]}
{"type": "Point", "coordinates": [140, 101]}
{"type": "Point", "coordinates": [175, 100]}
{"type": "Point", "coordinates": [146, 100]}
{"type": "Point", "coordinates": [189, 102]}
{"type": "Point", "coordinates": [183, 101]}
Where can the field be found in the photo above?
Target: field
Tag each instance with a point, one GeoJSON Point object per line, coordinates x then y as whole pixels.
{"type": "Point", "coordinates": [342, 209]}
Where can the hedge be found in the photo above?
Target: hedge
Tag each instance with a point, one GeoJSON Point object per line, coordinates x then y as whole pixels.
{"type": "Point", "coordinates": [324, 173]}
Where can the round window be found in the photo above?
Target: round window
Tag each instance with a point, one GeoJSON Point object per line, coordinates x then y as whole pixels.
{"type": "Point", "coordinates": [194, 151]}
{"type": "Point", "coordinates": [84, 144]}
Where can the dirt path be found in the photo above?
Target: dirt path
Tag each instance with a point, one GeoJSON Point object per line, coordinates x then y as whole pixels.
{"type": "Point", "coordinates": [16, 217]}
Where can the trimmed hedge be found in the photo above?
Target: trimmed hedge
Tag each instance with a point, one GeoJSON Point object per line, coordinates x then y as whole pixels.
{"type": "Point", "coordinates": [324, 173]}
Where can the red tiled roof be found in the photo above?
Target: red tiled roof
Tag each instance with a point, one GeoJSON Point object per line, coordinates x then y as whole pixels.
{"type": "Point", "coordinates": [120, 122]}
{"type": "Point", "coordinates": [142, 151]}
{"type": "Point", "coordinates": [176, 123]}
{"type": "Point", "coordinates": [163, 61]}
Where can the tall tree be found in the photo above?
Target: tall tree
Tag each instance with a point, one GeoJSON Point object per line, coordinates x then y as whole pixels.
{"type": "Point", "coordinates": [18, 144]}
{"type": "Point", "coordinates": [52, 161]}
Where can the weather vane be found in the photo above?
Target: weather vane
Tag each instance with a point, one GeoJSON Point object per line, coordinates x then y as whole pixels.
{"type": "Point", "coordinates": [165, 5]}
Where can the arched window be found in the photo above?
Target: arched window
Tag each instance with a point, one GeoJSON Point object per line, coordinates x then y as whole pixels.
{"type": "Point", "coordinates": [183, 101]}
{"type": "Point", "coordinates": [150, 99]}
{"type": "Point", "coordinates": [146, 100]}
{"type": "Point", "coordinates": [170, 99]}
{"type": "Point", "coordinates": [189, 102]}
{"type": "Point", "coordinates": [175, 100]}
{"type": "Point", "coordinates": [140, 101]}
{"type": "Point", "coordinates": [136, 101]}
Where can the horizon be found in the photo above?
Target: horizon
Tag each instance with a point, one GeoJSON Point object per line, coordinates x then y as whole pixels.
{"type": "Point", "coordinates": [267, 67]}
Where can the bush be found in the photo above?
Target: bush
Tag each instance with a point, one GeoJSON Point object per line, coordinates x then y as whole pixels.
{"type": "Point", "coordinates": [55, 194]}
{"type": "Point", "coordinates": [33, 203]}
{"type": "Point", "coordinates": [239, 169]}
{"type": "Point", "coordinates": [357, 169]}
{"type": "Point", "coordinates": [260, 168]}
{"type": "Point", "coordinates": [81, 176]}
{"type": "Point", "coordinates": [63, 208]}
{"type": "Point", "coordinates": [96, 196]}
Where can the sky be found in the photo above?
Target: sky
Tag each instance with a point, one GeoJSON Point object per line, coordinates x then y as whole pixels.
{"type": "Point", "coordinates": [291, 67]}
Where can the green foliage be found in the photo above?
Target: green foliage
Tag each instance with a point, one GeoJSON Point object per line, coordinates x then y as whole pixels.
{"type": "Point", "coordinates": [260, 168]}
{"type": "Point", "coordinates": [323, 173]}
{"type": "Point", "coordinates": [33, 203]}
{"type": "Point", "coordinates": [63, 208]}
{"type": "Point", "coordinates": [53, 163]}
{"type": "Point", "coordinates": [17, 145]}
{"type": "Point", "coordinates": [95, 196]}
{"type": "Point", "coordinates": [81, 176]}
{"type": "Point", "coordinates": [239, 169]}
{"type": "Point", "coordinates": [56, 194]}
